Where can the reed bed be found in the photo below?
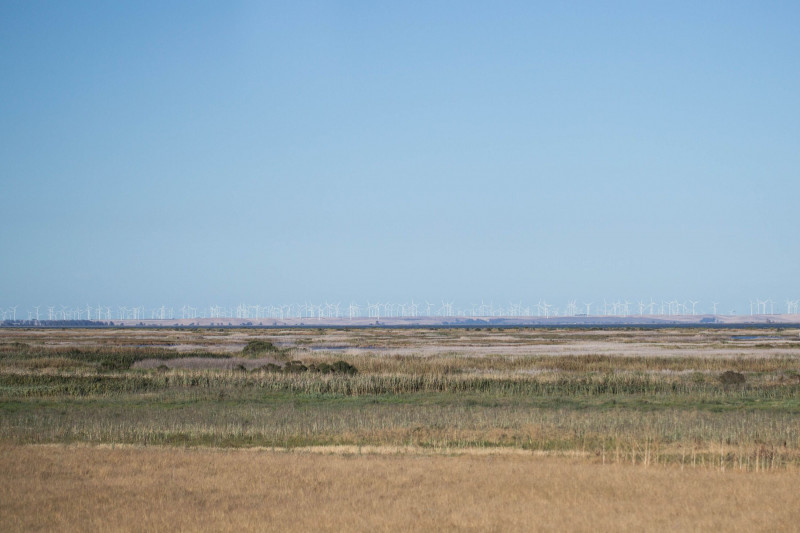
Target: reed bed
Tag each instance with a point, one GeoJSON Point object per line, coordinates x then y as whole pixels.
{"type": "Point", "coordinates": [641, 401]}
{"type": "Point", "coordinates": [753, 439]}
{"type": "Point", "coordinates": [38, 384]}
{"type": "Point", "coordinates": [453, 362]}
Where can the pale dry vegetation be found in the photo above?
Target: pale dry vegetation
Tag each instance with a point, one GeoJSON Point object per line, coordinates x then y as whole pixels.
{"type": "Point", "coordinates": [47, 488]}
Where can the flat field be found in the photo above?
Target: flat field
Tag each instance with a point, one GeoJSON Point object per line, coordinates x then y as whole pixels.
{"type": "Point", "coordinates": [60, 488]}
{"type": "Point", "coordinates": [511, 414]}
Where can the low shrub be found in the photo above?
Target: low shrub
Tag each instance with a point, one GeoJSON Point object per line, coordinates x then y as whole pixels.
{"type": "Point", "coordinates": [259, 347]}
{"type": "Point", "coordinates": [294, 367]}
{"type": "Point", "coordinates": [341, 367]}
{"type": "Point", "coordinates": [322, 368]}
{"type": "Point", "coordinates": [730, 377]}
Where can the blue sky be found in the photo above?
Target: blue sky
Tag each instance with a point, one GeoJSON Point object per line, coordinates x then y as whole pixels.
{"type": "Point", "coordinates": [208, 152]}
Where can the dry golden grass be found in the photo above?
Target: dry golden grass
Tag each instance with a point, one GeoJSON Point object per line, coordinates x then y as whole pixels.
{"type": "Point", "coordinates": [46, 488]}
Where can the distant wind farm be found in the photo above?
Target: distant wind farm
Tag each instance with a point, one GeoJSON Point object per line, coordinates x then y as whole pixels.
{"type": "Point", "coordinates": [759, 310]}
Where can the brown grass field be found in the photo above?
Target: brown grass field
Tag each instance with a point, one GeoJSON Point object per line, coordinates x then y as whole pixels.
{"type": "Point", "coordinates": [79, 488]}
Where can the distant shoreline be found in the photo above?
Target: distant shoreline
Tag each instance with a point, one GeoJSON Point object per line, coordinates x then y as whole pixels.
{"type": "Point", "coordinates": [647, 321]}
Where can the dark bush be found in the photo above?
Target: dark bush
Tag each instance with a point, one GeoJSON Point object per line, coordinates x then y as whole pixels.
{"type": "Point", "coordinates": [341, 367]}
{"type": "Point", "coordinates": [730, 377]}
{"type": "Point", "coordinates": [295, 367]}
{"type": "Point", "coordinates": [322, 368]}
{"type": "Point", "coordinates": [259, 347]}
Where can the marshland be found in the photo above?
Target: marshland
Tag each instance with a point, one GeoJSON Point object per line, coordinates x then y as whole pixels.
{"type": "Point", "coordinates": [713, 398]}
{"type": "Point", "coordinates": [361, 429]}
